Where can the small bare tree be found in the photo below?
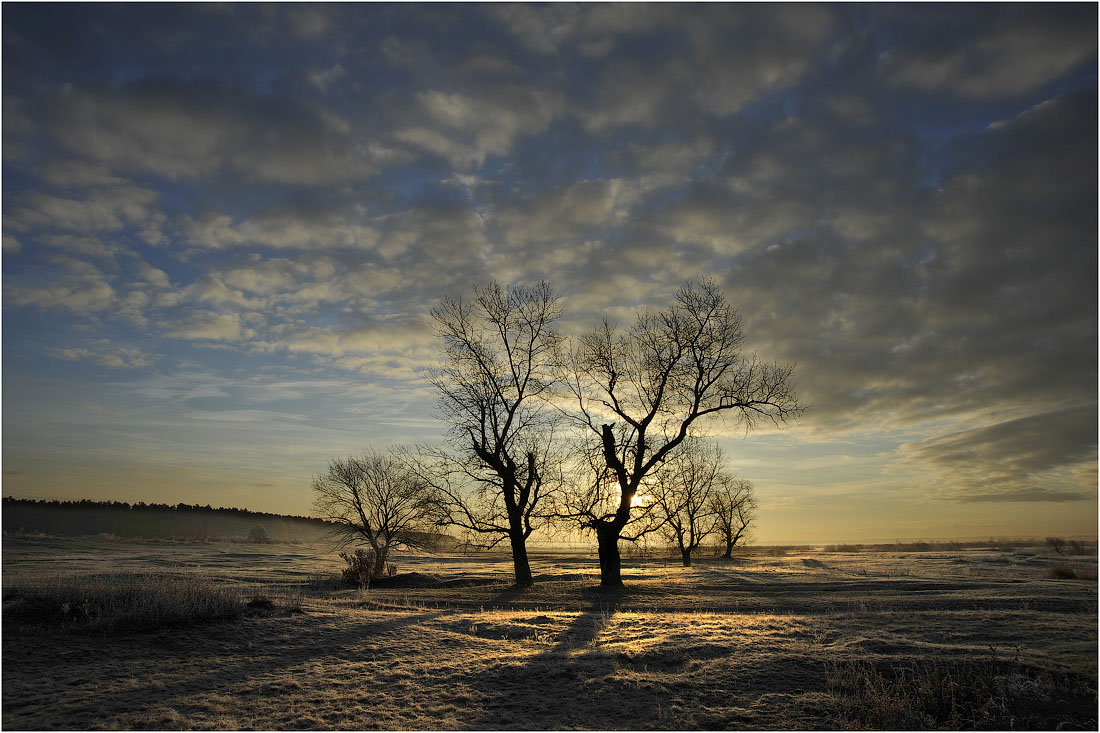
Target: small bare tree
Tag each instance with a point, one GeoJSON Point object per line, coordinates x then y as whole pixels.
{"type": "Point", "coordinates": [685, 487]}
{"type": "Point", "coordinates": [374, 498]}
{"type": "Point", "coordinates": [733, 502]}
{"type": "Point", "coordinates": [642, 392]}
{"type": "Point", "coordinates": [499, 367]}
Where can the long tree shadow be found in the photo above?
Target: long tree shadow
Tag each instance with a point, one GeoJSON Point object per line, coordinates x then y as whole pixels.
{"type": "Point", "coordinates": [569, 685]}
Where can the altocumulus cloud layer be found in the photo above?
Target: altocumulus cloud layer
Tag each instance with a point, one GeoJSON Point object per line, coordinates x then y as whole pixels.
{"type": "Point", "coordinates": [224, 227]}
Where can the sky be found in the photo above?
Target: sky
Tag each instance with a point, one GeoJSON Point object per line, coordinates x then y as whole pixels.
{"type": "Point", "coordinates": [225, 226]}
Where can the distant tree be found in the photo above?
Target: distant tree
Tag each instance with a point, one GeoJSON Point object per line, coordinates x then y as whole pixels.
{"type": "Point", "coordinates": [375, 498]}
{"type": "Point", "coordinates": [498, 369]}
{"type": "Point", "coordinates": [257, 535]}
{"type": "Point", "coordinates": [641, 393]}
{"type": "Point", "coordinates": [733, 502]}
{"type": "Point", "coordinates": [1058, 544]}
{"type": "Point", "coordinates": [684, 490]}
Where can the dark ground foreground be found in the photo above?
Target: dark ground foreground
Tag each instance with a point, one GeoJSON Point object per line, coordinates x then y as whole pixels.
{"type": "Point", "coordinates": [956, 640]}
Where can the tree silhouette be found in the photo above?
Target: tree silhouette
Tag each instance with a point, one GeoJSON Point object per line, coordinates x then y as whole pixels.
{"type": "Point", "coordinates": [733, 502]}
{"type": "Point", "coordinates": [375, 498]}
{"type": "Point", "coordinates": [498, 369]}
{"type": "Point", "coordinates": [684, 490]}
{"type": "Point", "coordinates": [642, 392]}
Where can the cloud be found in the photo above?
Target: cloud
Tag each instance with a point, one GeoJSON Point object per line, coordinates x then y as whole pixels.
{"type": "Point", "coordinates": [182, 130]}
{"type": "Point", "coordinates": [560, 216]}
{"type": "Point", "coordinates": [103, 209]}
{"type": "Point", "coordinates": [105, 353]}
{"type": "Point", "coordinates": [709, 60]}
{"type": "Point", "coordinates": [208, 326]}
{"type": "Point", "coordinates": [1013, 460]}
{"type": "Point", "coordinates": [74, 285]}
{"type": "Point", "coordinates": [281, 228]}
{"type": "Point", "coordinates": [467, 128]}
{"type": "Point", "coordinates": [1023, 49]}
{"type": "Point", "coordinates": [324, 77]}
{"type": "Point", "coordinates": [896, 198]}
{"type": "Point", "coordinates": [906, 310]}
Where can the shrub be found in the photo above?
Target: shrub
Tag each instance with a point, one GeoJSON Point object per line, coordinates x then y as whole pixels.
{"type": "Point", "coordinates": [360, 567]}
{"type": "Point", "coordinates": [1057, 544]}
{"type": "Point", "coordinates": [1061, 571]}
{"type": "Point", "coordinates": [111, 604]}
{"type": "Point", "coordinates": [258, 535]}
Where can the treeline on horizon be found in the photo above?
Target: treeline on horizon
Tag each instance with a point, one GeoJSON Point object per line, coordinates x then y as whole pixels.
{"type": "Point", "coordinates": [160, 521]}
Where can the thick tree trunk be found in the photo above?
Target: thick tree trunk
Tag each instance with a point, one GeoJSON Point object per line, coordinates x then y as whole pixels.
{"type": "Point", "coordinates": [686, 555]}
{"type": "Point", "coordinates": [729, 550]}
{"type": "Point", "coordinates": [379, 569]}
{"type": "Point", "coordinates": [520, 563]}
{"type": "Point", "coordinates": [610, 561]}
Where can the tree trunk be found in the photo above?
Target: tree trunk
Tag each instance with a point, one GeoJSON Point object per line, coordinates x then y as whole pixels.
{"type": "Point", "coordinates": [519, 561]}
{"type": "Point", "coordinates": [379, 569]}
{"type": "Point", "coordinates": [610, 561]}
{"type": "Point", "coordinates": [729, 550]}
{"type": "Point", "coordinates": [686, 555]}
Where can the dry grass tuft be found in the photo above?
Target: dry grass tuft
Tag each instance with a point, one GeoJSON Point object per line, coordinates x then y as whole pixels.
{"type": "Point", "coordinates": [110, 604]}
{"type": "Point", "coordinates": [969, 694]}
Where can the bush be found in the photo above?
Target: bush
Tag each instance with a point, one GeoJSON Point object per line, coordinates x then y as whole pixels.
{"type": "Point", "coordinates": [111, 604]}
{"type": "Point", "coordinates": [1057, 544]}
{"type": "Point", "coordinates": [258, 535]}
{"type": "Point", "coordinates": [360, 567]}
{"type": "Point", "coordinates": [1061, 571]}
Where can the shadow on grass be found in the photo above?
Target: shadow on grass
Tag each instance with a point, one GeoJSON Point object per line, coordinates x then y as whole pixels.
{"type": "Point", "coordinates": [570, 685]}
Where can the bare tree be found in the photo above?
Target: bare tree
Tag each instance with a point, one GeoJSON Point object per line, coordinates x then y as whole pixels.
{"type": "Point", "coordinates": [375, 498]}
{"type": "Point", "coordinates": [500, 354]}
{"type": "Point", "coordinates": [734, 505]}
{"type": "Point", "coordinates": [685, 487]}
{"type": "Point", "coordinates": [593, 497]}
{"type": "Point", "coordinates": [642, 392]}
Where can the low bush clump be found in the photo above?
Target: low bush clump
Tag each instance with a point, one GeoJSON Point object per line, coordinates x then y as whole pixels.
{"type": "Point", "coordinates": [1061, 571]}
{"type": "Point", "coordinates": [114, 604]}
{"type": "Point", "coordinates": [362, 568]}
{"type": "Point", "coordinates": [258, 535]}
{"type": "Point", "coordinates": [960, 695]}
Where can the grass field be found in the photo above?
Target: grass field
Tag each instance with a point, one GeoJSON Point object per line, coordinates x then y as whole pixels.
{"type": "Point", "coordinates": [798, 639]}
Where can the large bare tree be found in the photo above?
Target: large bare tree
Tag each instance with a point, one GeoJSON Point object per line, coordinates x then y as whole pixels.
{"type": "Point", "coordinates": [684, 490]}
{"type": "Point", "coordinates": [643, 391]}
{"type": "Point", "coordinates": [374, 498]}
{"type": "Point", "coordinates": [733, 502]}
{"type": "Point", "coordinates": [500, 355]}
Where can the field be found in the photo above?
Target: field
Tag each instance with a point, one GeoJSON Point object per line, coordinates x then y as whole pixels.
{"type": "Point", "coordinates": [775, 639]}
